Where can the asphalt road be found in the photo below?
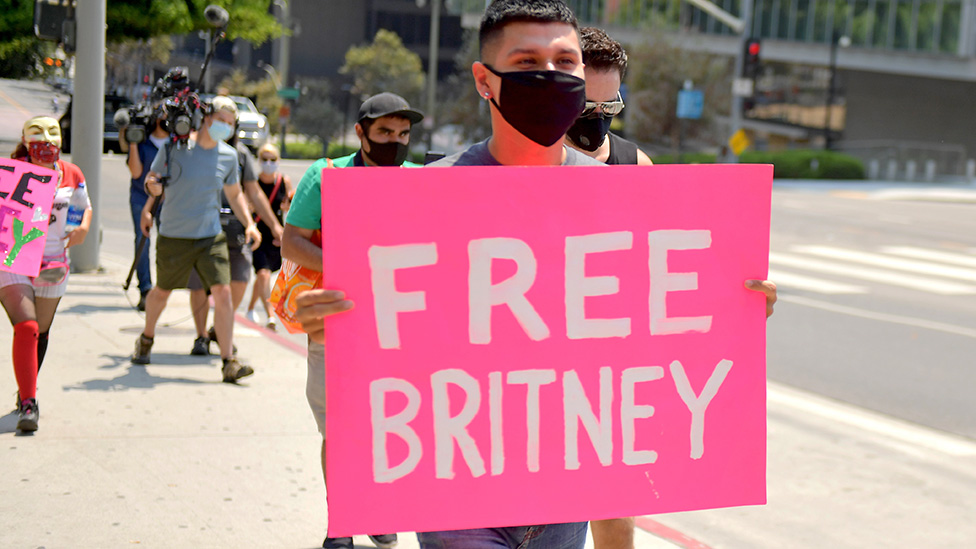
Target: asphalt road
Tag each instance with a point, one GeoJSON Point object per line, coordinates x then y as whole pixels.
{"type": "Point", "coordinates": [897, 331]}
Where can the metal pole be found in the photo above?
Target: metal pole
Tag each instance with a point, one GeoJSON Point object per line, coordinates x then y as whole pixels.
{"type": "Point", "coordinates": [284, 48]}
{"type": "Point", "coordinates": [736, 112]}
{"type": "Point", "coordinates": [830, 90]}
{"type": "Point", "coordinates": [433, 54]}
{"type": "Point", "coordinates": [87, 121]}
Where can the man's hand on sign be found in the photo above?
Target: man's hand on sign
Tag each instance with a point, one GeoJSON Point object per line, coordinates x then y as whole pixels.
{"type": "Point", "coordinates": [766, 287]}
{"type": "Point", "coordinates": [313, 306]}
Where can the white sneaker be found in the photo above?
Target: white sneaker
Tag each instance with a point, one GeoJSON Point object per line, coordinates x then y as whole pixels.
{"type": "Point", "coordinates": [252, 315]}
{"type": "Point", "coordinates": [272, 323]}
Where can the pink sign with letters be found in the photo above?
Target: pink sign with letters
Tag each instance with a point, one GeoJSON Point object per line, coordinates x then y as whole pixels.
{"type": "Point", "coordinates": [26, 194]}
{"type": "Point", "coordinates": [534, 345]}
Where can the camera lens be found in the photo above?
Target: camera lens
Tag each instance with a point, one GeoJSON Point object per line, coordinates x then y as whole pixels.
{"type": "Point", "coordinates": [135, 134]}
{"type": "Point", "coordinates": [182, 125]}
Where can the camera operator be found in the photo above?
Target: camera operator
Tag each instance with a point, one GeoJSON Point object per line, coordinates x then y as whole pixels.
{"type": "Point", "coordinates": [190, 235]}
{"type": "Point", "coordinates": [140, 157]}
{"type": "Point", "coordinates": [240, 253]}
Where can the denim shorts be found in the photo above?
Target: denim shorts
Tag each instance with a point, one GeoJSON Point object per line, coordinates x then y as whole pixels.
{"type": "Point", "coordinates": [570, 535]}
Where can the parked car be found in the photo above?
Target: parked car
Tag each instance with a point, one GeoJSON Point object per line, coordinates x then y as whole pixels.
{"type": "Point", "coordinates": [110, 132]}
{"type": "Point", "coordinates": [253, 128]}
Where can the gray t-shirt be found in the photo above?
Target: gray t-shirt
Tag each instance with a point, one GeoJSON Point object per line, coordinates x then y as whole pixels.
{"type": "Point", "coordinates": [192, 206]}
{"type": "Point", "coordinates": [478, 155]}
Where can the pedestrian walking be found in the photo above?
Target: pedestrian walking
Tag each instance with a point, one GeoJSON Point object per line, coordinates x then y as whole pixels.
{"type": "Point", "coordinates": [31, 302]}
{"type": "Point", "coordinates": [267, 258]}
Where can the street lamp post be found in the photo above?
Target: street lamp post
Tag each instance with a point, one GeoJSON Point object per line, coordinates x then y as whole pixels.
{"type": "Point", "coordinates": [842, 41]}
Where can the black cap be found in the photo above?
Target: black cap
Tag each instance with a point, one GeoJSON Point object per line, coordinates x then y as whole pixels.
{"type": "Point", "coordinates": [386, 104]}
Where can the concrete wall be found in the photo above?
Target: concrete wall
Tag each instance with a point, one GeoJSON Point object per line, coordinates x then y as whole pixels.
{"type": "Point", "coordinates": [935, 118]}
{"type": "Point", "coordinates": [327, 31]}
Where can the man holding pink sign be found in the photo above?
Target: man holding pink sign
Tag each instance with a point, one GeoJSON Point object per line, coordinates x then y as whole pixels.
{"type": "Point", "coordinates": [54, 202]}
{"type": "Point", "coordinates": [531, 73]}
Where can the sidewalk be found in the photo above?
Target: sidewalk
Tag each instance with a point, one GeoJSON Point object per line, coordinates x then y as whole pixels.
{"type": "Point", "coordinates": [167, 455]}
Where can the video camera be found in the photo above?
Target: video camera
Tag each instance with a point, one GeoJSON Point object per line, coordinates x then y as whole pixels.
{"type": "Point", "coordinates": [173, 102]}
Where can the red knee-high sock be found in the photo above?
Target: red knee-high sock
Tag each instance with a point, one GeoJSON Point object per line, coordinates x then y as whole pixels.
{"type": "Point", "coordinates": [25, 358]}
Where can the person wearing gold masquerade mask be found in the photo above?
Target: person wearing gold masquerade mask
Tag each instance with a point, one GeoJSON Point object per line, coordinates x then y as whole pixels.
{"type": "Point", "coordinates": [31, 302]}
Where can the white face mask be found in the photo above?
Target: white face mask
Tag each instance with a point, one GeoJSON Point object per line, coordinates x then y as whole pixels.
{"type": "Point", "coordinates": [269, 166]}
{"type": "Point", "coordinates": [221, 131]}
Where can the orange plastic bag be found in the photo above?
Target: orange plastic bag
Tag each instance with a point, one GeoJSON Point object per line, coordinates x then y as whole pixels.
{"type": "Point", "coordinates": [292, 280]}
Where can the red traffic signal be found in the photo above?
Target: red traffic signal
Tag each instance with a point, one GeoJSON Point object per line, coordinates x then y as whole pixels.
{"type": "Point", "coordinates": [752, 64]}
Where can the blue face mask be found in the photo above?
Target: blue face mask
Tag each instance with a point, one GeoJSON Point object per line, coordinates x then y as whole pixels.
{"type": "Point", "coordinates": [221, 131]}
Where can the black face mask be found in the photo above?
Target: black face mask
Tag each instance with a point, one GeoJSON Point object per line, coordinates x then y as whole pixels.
{"type": "Point", "coordinates": [541, 105]}
{"type": "Point", "coordinates": [588, 133]}
{"type": "Point", "coordinates": [386, 154]}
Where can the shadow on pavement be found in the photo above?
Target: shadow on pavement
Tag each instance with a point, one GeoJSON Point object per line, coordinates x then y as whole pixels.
{"type": "Point", "coordinates": [136, 377]}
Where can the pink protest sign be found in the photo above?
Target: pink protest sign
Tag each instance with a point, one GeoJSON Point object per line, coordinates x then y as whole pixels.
{"type": "Point", "coordinates": [26, 194]}
{"type": "Point", "coordinates": [535, 345]}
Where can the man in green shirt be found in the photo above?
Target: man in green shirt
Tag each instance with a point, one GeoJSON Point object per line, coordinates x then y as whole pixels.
{"type": "Point", "coordinates": [383, 129]}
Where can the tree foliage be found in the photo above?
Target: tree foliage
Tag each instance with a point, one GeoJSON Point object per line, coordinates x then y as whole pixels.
{"type": "Point", "coordinates": [263, 91]}
{"type": "Point", "coordinates": [316, 113]}
{"type": "Point", "coordinates": [142, 19]}
{"type": "Point", "coordinates": [461, 106]}
{"type": "Point", "coordinates": [386, 65]}
{"type": "Point", "coordinates": [656, 72]}
{"type": "Point", "coordinates": [128, 20]}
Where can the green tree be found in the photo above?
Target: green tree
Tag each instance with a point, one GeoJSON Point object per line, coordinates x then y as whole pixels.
{"type": "Point", "coordinates": [386, 65]}
{"type": "Point", "coordinates": [656, 72]}
{"type": "Point", "coordinates": [126, 20]}
{"type": "Point", "coordinates": [263, 91]}
{"type": "Point", "coordinates": [316, 114]}
{"type": "Point", "coordinates": [461, 106]}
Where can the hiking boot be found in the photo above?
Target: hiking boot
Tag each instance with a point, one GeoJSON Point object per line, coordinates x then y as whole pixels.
{"type": "Point", "coordinates": [337, 543]}
{"type": "Point", "coordinates": [212, 334]}
{"type": "Point", "coordinates": [384, 541]}
{"type": "Point", "coordinates": [201, 346]}
{"type": "Point", "coordinates": [234, 370]}
{"type": "Point", "coordinates": [143, 346]}
{"type": "Point", "coordinates": [28, 413]}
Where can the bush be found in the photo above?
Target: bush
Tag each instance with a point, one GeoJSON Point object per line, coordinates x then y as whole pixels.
{"type": "Point", "coordinates": [793, 164]}
{"type": "Point", "coordinates": [304, 149]}
{"type": "Point", "coordinates": [808, 164]}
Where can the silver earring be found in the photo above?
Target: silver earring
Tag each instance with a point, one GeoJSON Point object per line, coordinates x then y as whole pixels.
{"type": "Point", "coordinates": [487, 94]}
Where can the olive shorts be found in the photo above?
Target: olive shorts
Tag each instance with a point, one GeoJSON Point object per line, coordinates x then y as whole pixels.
{"type": "Point", "coordinates": [177, 257]}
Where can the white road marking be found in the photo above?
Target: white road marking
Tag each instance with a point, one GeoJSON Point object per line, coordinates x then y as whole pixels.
{"type": "Point", "coordinates": [884, 317]}
{"type": "Point", "coordinates": [932, 255]}
{"type": "Point", "coordinates": [895, 429]}
{"type": "Point", "coordinates": [784, 279]}
{"type": "Point", "coordinates": [931, 285]}
{"type": "Point", "coordinates": [878, 260]}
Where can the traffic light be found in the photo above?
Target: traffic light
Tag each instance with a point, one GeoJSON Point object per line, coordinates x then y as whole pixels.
{"type": "Point", "coordinates": [752, 64]}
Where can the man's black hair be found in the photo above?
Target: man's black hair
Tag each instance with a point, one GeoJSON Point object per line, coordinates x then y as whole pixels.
{"type": "Point", "coordinates": [601, 52]}
{"type": "Point", "coordinates": [503, 12]}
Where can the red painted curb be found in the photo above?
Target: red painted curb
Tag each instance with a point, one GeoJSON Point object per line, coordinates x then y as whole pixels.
{"type": "Point", "coordinates": [273, 336]}
{"type": "Point", "coordinates": [670, 534]}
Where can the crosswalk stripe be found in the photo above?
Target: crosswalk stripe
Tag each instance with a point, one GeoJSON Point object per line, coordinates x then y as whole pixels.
{"type": "Point", "coordinates": [877, 260]}
{"type": "Point", "coordinates": [932, 285]}
{"type": "Point", "coordinates": [931, 255]}
{"type": "Point", "coordinates": [785, 279]}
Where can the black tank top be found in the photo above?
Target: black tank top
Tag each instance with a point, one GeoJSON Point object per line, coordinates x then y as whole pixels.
{"type": "Point", "coordinates": [621, 150]}
{"type": "Point", "coordinates": [268, 188]}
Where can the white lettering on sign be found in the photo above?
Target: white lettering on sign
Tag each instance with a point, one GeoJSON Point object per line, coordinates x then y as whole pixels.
{"type": "Point", "coordinates": [387, 301]}
{"type": "Point", "coordinates": [577, 407]}
{"type": "Point", "coordinates": [579, 286]}
{"type": "Point", "coordinates": [662, 281]}
{"type": "Point", "coordinates": [483, 295]}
